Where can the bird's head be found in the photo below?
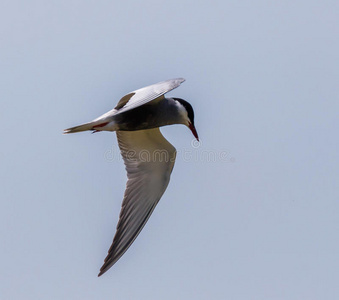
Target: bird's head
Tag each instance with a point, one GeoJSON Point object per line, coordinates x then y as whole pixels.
{"type": "Point", "coordinates": [187, 115]}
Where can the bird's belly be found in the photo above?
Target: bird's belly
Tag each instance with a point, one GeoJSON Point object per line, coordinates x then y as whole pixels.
{"type": "Point", "coordinates": [139, 119]}
{"type": "Point", "coordinates": [133, 126]}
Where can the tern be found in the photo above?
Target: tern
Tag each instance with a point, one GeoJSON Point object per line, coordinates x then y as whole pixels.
{"type": "Point", "coordinates": [149, 158]}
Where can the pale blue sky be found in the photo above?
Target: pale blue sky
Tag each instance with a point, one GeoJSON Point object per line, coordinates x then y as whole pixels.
{"type": "Point", "coordinates": [262, 77]}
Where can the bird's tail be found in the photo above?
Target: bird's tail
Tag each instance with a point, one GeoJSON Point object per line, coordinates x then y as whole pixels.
{"type": "Point", "coordinates": [95, 126]}
{"type": "Point", "coordinates": [79, 128]}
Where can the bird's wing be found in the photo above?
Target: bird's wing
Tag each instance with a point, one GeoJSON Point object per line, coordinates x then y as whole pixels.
{"type": "Point", "coordinates": [147, 94]}
{"type": "Point", "coordinates": [149, 160]}
{"type": "Point", "coordinates": [142, 96]}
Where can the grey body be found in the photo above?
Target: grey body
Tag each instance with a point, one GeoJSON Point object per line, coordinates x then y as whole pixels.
{"type": "Point", "coordinates": [149, 116]}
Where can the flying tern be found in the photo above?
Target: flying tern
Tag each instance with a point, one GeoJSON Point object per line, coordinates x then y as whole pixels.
{"type": "Point", "coordinates": [149, 158]}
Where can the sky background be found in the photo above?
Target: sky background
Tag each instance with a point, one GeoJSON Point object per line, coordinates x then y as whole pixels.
{"type": "Point", "coordinates": [250, 213]}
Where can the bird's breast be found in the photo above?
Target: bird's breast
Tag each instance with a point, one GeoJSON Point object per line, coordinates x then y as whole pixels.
{"type": "Point", "coordinates": [143, 117]}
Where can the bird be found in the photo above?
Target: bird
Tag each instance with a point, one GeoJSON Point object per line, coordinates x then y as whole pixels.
{"type": "Point", "coordinates": [148, 157]}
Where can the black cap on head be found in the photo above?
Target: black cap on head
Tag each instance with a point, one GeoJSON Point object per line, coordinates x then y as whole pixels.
{"type": "Point", "coordinates": [190, 115]}
{"type": "Point", "coordinates": [188, 107]}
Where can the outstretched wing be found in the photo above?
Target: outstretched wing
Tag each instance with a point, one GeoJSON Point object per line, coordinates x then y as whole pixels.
{"type": "Point", "coordinates": [149, 159]}
{"type": "Point", "coordinates": [143, 96]}
{"type": "Point", "coordinates": [148, 93]}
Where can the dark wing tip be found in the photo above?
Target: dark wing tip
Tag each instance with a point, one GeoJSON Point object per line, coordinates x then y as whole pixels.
{"type": "Point", "coordinates": [104, 269]}
{"type": "Point", "coordinates": [107, 265]}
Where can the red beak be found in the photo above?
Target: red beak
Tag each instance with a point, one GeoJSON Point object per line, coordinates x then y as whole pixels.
{"type": "Point", "coordinates": [191, 126]}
